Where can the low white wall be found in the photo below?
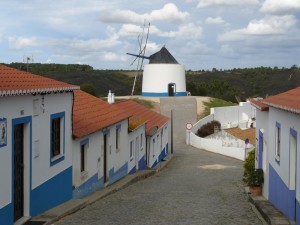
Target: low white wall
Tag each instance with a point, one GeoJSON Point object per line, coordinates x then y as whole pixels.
{"type": "Point", "coordinates": [201, 122]}
{"type": "Point", "coordinates": [215, 146]}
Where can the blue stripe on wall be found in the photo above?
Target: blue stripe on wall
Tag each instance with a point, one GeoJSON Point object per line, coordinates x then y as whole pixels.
{"type": "Point", "coordinates": [280, 195]}
{"type": "Point", "coordinates": [53, 192]}
{"type": "Point", "coordinates": [162, 94]}
{"type": "Point", "coordinates": [133, 170]}
{"type": "Point", "coordinates": [88, 187]}
{"type": "Point", "coordinates": [115, 176]}
{"type": "Point", "coordinates": [297, 212]}
{"type": "Point", "coordinates": [6, 215]}
{"type": "Point", "coordinates": [142, 163]}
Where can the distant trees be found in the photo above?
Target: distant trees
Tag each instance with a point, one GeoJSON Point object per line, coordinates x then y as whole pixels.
{"type": "Point", "coordinates": [88, 88]}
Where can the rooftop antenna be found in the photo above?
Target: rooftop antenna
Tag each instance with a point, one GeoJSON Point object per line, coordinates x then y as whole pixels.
{"type": "Point", "coordinates": [27, 59]}
{"type": "Point", "coordinates": [141, 55]}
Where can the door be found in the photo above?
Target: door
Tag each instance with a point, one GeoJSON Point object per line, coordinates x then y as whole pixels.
{"type": "Point", "coordinates": [293, 166]}
{"type": "Point", "coordinates": [18, 172]}
{"type": "Point", "coordinates": [171, 89]}
{"type": "Point", "coordinates": [260, 150]}
{"type": "Point", "coordinates": [105, 159]}
{"type": "Point", "coordinates": [137, 150]}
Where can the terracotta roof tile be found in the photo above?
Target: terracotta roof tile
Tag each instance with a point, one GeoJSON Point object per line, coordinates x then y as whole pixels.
{"type": "Point", "coordinates": [153, 118]}
{"type": "Point", "coordinates": [243, 134]}
{"type": "Point", "coordinates": [259, 105]}
{"type": "Point", "coordinates": [91, 114]}
{"type": "Point", "coordinates": [17, 82]}
{"type": "Point", "coordinates": [288, 100]}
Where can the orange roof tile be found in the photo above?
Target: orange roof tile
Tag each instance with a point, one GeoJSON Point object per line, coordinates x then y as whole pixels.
{"type": "Point", "coordinates": [17, 82]}
{"type": "Point", "coordinates": [288, 100]}
{"type": "Point", "coordinates": [243, 134]}
{"type": "Point", "coordinates": [259, 105]}
{"type": "Point", "coordinates": [153, 118]}
{"type": "Point", "coordinates": [91, 114]}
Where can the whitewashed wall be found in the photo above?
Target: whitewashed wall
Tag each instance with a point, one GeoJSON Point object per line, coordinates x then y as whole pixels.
{"type": "Point", "coordinates": [216, 146]}
{"type": "Point", "coordinates": [22, 106]}
{"type": "Point", "coordinates": [156, 78]}
{"type": "Point", "coordinates": [232, 116]}
{"type": "Point", "coordinates": [138, 138]}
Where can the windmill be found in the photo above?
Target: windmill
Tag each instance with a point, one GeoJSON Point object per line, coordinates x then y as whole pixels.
{"type": "Point", "coordinates": [142, 41]}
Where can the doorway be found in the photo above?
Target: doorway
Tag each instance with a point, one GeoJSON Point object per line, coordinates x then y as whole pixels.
{"type": "Point", "coordinates": [171, 89]}
{"type": "Point", "coordinates": [293, 165]}
{"type": "Point", "coordinates": [18, 171]}
{"type": "Point", "coordinates": [137, 150]}
{"type": "Point", "coordinates": [260, 150]}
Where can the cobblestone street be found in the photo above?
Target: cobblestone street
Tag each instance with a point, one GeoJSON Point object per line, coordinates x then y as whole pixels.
{"type": "Point", "coordinates": [197, 187]}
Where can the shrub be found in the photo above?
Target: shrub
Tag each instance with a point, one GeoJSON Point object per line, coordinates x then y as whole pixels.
{"type": "Point", "coordinates": [208, 128]}
{"type": "Point", "coordinates": [252, 176]}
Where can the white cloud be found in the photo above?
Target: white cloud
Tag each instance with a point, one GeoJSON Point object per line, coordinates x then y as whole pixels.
{"type": "Point", "coordinates": [169, 12]}
{"type": "Point", "coordinates": [188, 31]}
{"type": "Point", "coordinates": [215, 20]}
{"type": "Point", "coordinates": [22, 42]}
{"type": "Point", "coordinates": [270, 25]}
{"type": "Point", "coordinates": [208, 3]}
{"type": "Point", "coordinates": [280, 7]}
{"type": "Point", "coordinates": [111, 56]}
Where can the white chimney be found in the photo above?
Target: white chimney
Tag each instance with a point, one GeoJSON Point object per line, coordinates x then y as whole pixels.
{"type": "Point", "coordinates": [111, 97]}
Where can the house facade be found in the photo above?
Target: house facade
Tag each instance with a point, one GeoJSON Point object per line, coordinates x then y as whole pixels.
{"type": "Point", "coordinates": [157, 131]}
{"type": "Point", "coordinates": [277, 135]}
{"type": "Point", "coordinates": [35, 144]}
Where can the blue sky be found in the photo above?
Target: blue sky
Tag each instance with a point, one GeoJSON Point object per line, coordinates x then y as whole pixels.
{"type": "Point", "coordinates": [201, 34]}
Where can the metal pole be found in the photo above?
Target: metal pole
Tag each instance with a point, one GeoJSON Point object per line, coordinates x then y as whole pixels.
{"type": "Point", "coordinates": [172, 131]}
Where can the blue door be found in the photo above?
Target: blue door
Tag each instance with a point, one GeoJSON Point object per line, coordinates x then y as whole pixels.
{"type": "Point", "coordinates": [260, 149]}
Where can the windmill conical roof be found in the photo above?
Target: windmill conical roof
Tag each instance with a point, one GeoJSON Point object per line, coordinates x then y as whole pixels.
{"type": "Point", "coordinates": [162, 56]}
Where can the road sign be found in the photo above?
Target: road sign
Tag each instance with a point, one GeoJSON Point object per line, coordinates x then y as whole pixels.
{"type": "Point", "coordinates": [189, 126]}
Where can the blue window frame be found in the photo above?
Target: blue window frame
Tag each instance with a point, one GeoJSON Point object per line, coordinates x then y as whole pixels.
{"type": "Point", "coordinates": [57, 138]}
{"type": "Point", "coordinates": [83, 151]}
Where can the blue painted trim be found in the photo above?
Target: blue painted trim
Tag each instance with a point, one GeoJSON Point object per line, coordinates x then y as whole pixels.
{"type": "Point", "coordinates": [142, 163]}
{"type": "Point", "coordinates": [280, 195]}
{"type": "Point", "coordinates": [91, 185]}
{"type": "Point", "coordinates": [21, 120]}
{"type": "Point", "coordinates": [53, 192]}
{"type": "Point", "coordinates": [106, 131]}
{"type": "Point", "coordinates": [7, 214]}
{"type": "Point", "coordinates": [60, 115]}
{"type": "Point", "coordinates": [133, 170]}
{"type": "Point", "coordinates": [115, 176]}
{"type": "Point", "coordinates": [118, 126]}
{"type": "Point", "coordinates": [293, 132]}
{"type": "Point", "coordinates": [162, 94]}
{"type": "Point", "coordinates": [154, 164]}
{"type": "Point", "coordinates": [3, 140]}
{"type": "Point", "coordinates": [84, 142]}
{"type": "Point", "coordinates": [297, 212]}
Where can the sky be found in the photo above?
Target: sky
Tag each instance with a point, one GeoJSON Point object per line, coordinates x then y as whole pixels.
{"type": "Point", "coordinates": [200, 34]}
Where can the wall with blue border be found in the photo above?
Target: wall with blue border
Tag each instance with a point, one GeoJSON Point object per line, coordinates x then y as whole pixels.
{"type": "Point", "coordinates": [88, 187]}
{"type": "Point", "coordinates": [53, 192]}
{"type": "Point", "coordinates": [6, 215]}
{"type": "Point", "coordinates": [162, 94]}
{"type": "Point", "coordinates": [280, 195]}
{"type": "Point", "coordinates": [142, 163]}
{"type": "Point", "coordinates": [115, 176]}
{"type": "Point", "coordinates": [297, 212]}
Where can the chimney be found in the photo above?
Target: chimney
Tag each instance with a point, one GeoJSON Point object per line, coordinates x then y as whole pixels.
{"type": "Point", "coordinates": [111, 97]}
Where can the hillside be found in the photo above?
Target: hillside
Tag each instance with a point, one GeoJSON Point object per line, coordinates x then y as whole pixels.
{"type": "Point", "coordinates": [224, 84]}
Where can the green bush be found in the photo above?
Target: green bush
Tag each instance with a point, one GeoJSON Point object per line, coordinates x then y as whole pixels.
{"type": "Point", "coordinates": [252, 176]}
{"type": "Point", "coordinates": [208, 128]}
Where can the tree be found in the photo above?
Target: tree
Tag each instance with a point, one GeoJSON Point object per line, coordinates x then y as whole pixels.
{"type": "Point", "coordinates": [88, 88]}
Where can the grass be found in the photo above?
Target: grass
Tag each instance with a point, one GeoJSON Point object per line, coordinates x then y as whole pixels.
{"type": "Point", "coordinates": [145, 103]}
{"type": "Point", "coordinates": [215, 102]}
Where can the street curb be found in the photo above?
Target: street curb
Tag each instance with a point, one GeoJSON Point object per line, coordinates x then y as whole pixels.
{"type": "Point", "coordinates": [74, 205]}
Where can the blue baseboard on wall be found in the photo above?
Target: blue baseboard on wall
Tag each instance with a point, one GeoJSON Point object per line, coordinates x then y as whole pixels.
{"type": "Point", "coordinates": [6, 215]}
{"type": "Point", "coordinates": [115, 176]}
{"type": "Point", "coordinates": [297, 212]}
{"type": "Point", "coordinates": [91, 185]}
{"type": "Point", "coordinates": [142, 163]}
{"type": "Point", "coordinates": [53, 192]}
{"type": "Point", "coordinates": [133, 170]}
{"type": "Point", "coordinates": [162, 94]}
{"type": "Point", "coordinates": [280, 195]}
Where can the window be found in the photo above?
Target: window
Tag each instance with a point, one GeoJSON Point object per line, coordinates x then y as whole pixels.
{"type": "Point", "coordinates": [57, 137]}
{"type": "Point", "coordinates": [277, 141]}
{"type": "Point", "coordinates": [141, 141]}
{"type": "Point", "coordinates": [118, 135]}
{"type": "Point", "coordinates": [83, 154]}
{"type": "Point", "coordinates": [131, 149]}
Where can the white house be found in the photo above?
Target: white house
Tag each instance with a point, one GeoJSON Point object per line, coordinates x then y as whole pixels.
{"type": "Point", "coordinates": [35, 144]}
{"type": "Point", "coordinates": [277, 129]}
{"type": "Point", "coordinates": [101, 154]}
{"type": "Point", "coordinates": [155, 146]}
{"type": "Point", "coordinates": [163, 76]}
